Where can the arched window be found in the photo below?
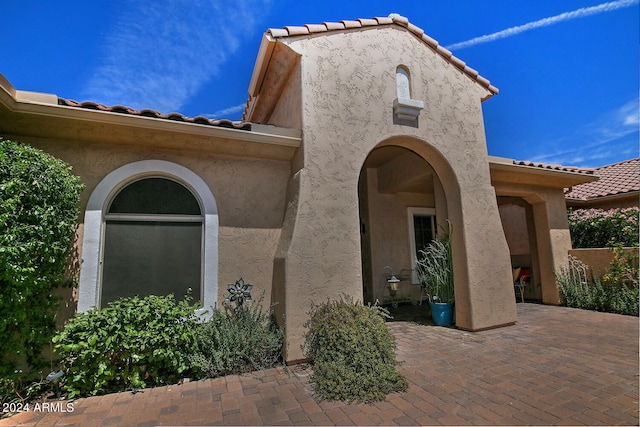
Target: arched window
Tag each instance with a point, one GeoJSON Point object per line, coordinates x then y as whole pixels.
{"type": "Point", "coordinates": [150, 227]}
{"type": "Point", "coordinates": [403, 84]}
{"type": "Point", "coordinates": [152, 241]}
{"type": "Point", "coordinates": [405, 108]}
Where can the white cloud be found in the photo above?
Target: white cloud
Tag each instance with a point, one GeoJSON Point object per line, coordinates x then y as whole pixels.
{"type": "Point", "coordinates": [159, 54]}
{"type": "Point", "coordinates": [567, 16]}
{"type": "Point", "coordinates": [613, 136]}
{"type": "Point", "coordinates": [224, 113]}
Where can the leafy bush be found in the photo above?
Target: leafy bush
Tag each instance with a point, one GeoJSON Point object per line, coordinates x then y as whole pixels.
{"type": "Point", "coordinates": [597, 228]}
{"type": "Point", "coordinates": [579, 291]}
{"type": "Point", "coordinates": [237, 340]}
{"type": "Point", "coordinates": [38, 217]}
{"type": "Point", "coordinates": [353, 352]}
{"type": "Point", "coordinates": [130, 344]}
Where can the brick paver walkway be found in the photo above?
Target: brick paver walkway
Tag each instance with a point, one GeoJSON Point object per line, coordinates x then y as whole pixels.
{"type": "Point", "coordinates": [556, 366]}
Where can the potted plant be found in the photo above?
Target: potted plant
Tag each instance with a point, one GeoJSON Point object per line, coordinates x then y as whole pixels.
{"type": "Point", "coordinates": [435, 271]}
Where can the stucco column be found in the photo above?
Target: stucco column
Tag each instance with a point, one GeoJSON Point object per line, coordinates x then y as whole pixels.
{"type": "Point", "coordinates": [318, 257]}
{"type": "Point", "coordinates": [554, 240]}
{"type": "Point", "coordinates": [482, 268]}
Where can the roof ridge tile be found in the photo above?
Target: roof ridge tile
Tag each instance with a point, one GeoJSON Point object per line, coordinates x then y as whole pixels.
{"type": "Point", "coordinates": [393, 18]}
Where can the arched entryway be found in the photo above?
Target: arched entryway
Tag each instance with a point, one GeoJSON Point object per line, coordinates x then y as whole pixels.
{"type": "Point", "coordinates": [517, 219]}
{"type": "Point", "coordinates": [402, 207]}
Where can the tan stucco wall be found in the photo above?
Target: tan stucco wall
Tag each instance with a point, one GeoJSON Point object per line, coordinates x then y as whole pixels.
{"type": "Point", "coordinates": [250, 196]}
{"type": "Point", "coordinates": [598, 259]}
{"type": "Point", "coordinates": [514, 221]}
{"type": "Point", "coordinates": [347, 112]}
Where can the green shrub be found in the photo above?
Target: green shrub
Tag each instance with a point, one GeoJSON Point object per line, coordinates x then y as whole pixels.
{"type": "Point", "coordinates": [130, 344]}
{"type": "Point", "coordinates": [623, 269]}
{"type": "Point", "coordinates": [579, 291]}
{"type": "Point", "coordinates": [353, 352]}
{"type": "Point", "coordinates": [597, 228]}
{"type": "Point", "coordinates": [38, 217]}
{"type": "Point", "coordinates": [238, 340]}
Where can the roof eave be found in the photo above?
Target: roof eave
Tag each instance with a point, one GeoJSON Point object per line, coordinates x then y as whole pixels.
{"type": "Point", "coordinates": [500, 167]}
{"type": "Point", "coordinates": [607, 198]}
{"type": "Point", "coordinates": [32, 105]}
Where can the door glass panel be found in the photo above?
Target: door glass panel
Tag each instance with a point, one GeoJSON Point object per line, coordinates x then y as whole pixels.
{"type": "Point", "coordinates": [424, 231]}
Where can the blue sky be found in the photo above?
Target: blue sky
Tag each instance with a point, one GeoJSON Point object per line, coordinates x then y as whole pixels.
{"type": "Point", "coordinates": [567, 70]}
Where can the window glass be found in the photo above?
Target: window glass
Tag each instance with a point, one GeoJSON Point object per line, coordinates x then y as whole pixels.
{"type": "Point", "coordinates": [147, 257]}
{"type": "Point", "coordinates": [423, 227]}
{"type": "Point", "coordinates": [152, 242]}
{"type": "Point", "coordinates": [421, 223]}
{"type": "Point", "coordinates": [155, 196]}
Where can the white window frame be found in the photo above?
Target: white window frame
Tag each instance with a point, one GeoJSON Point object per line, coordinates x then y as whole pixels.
{"type": "Point", "coordinates": [411, 213]}
{"type": "Point", "coordinates": [89, 288]}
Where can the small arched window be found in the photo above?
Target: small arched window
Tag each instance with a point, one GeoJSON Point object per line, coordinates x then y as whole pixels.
{"type": "Point", "coordinates": [406, 109]}
{"type": "Point", "coordinates": [403, 83]}
{"type": "Point", "coordinates": [152, 241]}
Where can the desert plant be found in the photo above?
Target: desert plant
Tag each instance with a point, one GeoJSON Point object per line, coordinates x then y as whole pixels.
{"type": "Point", "coordinates": [580, 291]}
{"type": "Point", "coordinates": [353, 352]}
{"type": "Point", "coordinates": [237, 340]}
{"type": "Point", "coordinates": [435, 270]}
{"type": "Point", "coordinates": [38, 217]}
{"type": "Point", "coordinates": [623, 269]}
{"type": "Point", "coordinates": [130, 344]}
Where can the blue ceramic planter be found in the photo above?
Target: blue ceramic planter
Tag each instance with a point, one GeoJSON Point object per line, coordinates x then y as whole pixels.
{"type": "Point", "coordinates": [442, 313]}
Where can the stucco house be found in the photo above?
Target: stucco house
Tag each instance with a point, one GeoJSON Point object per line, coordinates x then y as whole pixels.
{"type": "Point", "coordinates": [359, 140]}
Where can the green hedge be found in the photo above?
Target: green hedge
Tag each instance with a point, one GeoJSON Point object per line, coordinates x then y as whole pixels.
{"type": "Point", "coordinates": [38, 218]}
{"type": "Point", "coordinates": [597, 228]}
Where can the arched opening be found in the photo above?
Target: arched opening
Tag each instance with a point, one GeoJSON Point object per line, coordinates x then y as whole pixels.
{"type": "Point", "coordinates": [150, 227]}
{"type": "Point", "coordinates": [402, 206]}
{"type": "Point", "coordinates": [516, 215]}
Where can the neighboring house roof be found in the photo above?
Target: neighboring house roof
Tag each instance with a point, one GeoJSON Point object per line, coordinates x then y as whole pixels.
{"type": "Point", "coordinates": [615, 179]}
{"type": "Point", "coordinates": [393, 19]}
{"type": "Point", "coordinates": [587, 171]}
{"type": "Point", "coordinates": [201, 120]}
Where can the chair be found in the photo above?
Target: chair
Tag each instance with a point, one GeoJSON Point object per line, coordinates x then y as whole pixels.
{"type": "Point", "coordinates": [521, 279]}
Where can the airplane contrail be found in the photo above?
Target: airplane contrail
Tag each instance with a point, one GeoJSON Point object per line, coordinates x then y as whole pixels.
{"type": "Point", "coordinates": [567, 16]}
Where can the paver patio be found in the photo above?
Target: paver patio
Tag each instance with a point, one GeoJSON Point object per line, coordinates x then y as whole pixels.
{"type": "Point", "coordinates": [556, 366]}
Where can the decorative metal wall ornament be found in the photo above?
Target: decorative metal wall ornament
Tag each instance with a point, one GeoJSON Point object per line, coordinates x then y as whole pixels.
{"type": "Point", "coordinates": [239, 292]}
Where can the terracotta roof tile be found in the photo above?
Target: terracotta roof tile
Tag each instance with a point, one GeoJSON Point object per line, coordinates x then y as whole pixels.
{"type": "Point", "coordinates": [617, 178]}
{"type": "Point", "coordinates": [383, 20]}
{"type": "Point", "coordinates": [430, 41]}
{"type": "Point", "coordinates": [352, 24]}
{"type": "Point", "coordinates": [392, 19]}
{"type": "Point", "coordinates": [368, 22]}
{"type": "Point", "coordinates": [316, 28]}
{"type": "Point", "coordinates": [119, 109]}
{"type": "Point", "coordinates": [331, 26]}
{"type": "Point", "coordinates": [297, 31]}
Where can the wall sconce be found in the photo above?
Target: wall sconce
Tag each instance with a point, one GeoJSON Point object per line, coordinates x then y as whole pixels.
{"type": "Point", "coordinates": [393, 283]}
